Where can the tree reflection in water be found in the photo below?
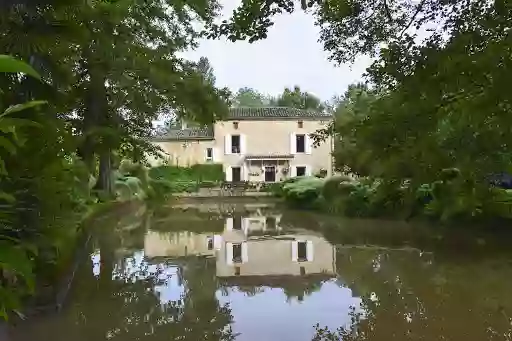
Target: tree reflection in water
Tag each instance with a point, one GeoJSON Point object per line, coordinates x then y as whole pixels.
{"type": "Point", "coordinates": [414, 296]}
{"type": "Point", "coordinates": [399, 293]}
{"type": "Point", "coordinates": [154, 301]}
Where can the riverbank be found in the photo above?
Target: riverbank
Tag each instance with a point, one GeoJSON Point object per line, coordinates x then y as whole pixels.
{"type": "Point", "coordinates": [220, 193]}
{"type": "Point", "coordinates": [444, 201]}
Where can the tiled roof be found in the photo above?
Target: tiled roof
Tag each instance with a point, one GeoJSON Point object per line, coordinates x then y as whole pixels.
{"type": "Point", "coordinates": [246, 113]}
{"type": "Point", "coordinates": [186, 134]}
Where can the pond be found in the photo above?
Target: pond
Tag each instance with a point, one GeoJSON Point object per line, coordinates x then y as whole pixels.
{"type": "Point", "coordinates": [258, 273]}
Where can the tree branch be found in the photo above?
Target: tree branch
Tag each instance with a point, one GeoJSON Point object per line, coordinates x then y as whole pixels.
{"type": "Point", "coordinates": [418, 10]}
{"type": "Point", "coordinates": [388, 12]}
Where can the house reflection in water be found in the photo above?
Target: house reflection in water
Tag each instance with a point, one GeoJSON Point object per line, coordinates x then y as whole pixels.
{"type": "Point", "coordinates": [181, 244]}
{"type": "Point", "coordinates": [251, 246]}
{"type": "Point", "coordinates": [258, 246]}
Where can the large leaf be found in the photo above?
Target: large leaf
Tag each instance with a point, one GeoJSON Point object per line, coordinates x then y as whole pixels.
{"type": "Point", "coordinates": [7, 145]}
{"type": "Point", "coordinates": [15, 259]}
{"type": "Point", "coordinates": [13, 65]}
{"type": "Point", "coordinates": [22, 106]}
{"type": "Point", "coordinates": [7, 197]}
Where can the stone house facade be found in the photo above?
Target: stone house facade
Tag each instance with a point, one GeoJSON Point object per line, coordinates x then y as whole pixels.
{"type": "Point", "coordinates": [254, 144]}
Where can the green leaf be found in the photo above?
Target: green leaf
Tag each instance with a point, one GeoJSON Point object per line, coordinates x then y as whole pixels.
{"type": "Point", "coordinates": [22, 106]}
{"type": "Point", "coordinates": [13, 65]}
{"type": "Point", "coordinates": [15, 259]}
{"type": "Point", "coordinates": [7, 145]}
{"type": "Point", "coordinates": [7, 197]}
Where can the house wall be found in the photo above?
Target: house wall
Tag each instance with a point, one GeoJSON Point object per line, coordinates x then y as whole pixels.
{"type": "Point", "coordinates": [258, 137]}
{"type": "Point", "coordinates": [264, 137]}
{"type": "Point", "coordinates": [267, 257]}
{"type": "Point", "coordinates": [184, 153]}
{"type": "Point", "coordinates": [177, 244]}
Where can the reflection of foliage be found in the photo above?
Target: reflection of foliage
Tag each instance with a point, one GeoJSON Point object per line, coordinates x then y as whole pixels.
{"type": "Point", "coordinates": [127, 307]}
{"type": "Point", "coordinates": [345, 333]}
{"type": "Point", "coordinates": [301, 288]}
{"type": "Point", "coordinates": [250, 290]}
{"type": "Point", "coordinates": [403, 293]}
{"type": "Point", "coordinates": [169, 219]}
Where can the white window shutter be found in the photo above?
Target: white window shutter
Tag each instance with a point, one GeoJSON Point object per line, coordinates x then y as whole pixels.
{"type": "Point", "coordinates": [245, 225]}
{"type": "Point", "coordinates": [293, 143]}
{"type": "Point", "coordinates": [243, 144]}
{"type": "Point", "coordinates": [295, 251]}
{"type": "Point", "coordinates": [245, 252]}
{"type": "Point", "coordinates": [229, 253]}
{"type": "Point", "coordinates": [309, 250]}
{"type": "Point", "coordinates": [309, 144]}
{"type": "Point", "coordinates": [229, 174]}
{"type": "Point", "coordinates": [227, 144]}
{"type": "Point", "coordinates": [243, 173]}
{"type": "Point", "coordinates": [217, 240]}
{"type": "Point", "coordinates": [293, 171]}
{"type": "Point", "coordinates": [214, 157]}
{"type": "Point", "coordinates": [308, 170]}
{"type": "Point", "coordinates": [229, 224]}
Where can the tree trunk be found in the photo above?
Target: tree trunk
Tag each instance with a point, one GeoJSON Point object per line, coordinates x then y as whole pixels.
{"type": "Point", "coordinates": [105, 173]}
{"type": "Point", "coordinates": [96, 116]}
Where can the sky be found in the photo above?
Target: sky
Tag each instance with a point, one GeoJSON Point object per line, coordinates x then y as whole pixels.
{"type": "Point", "coordinates": [291, 55]}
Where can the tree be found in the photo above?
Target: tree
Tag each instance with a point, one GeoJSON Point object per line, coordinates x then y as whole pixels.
{"type": "Point", "coordinates": [248, 97]}
{"type": "Point", "coordinates": [297, 99]}
{"type": "Point", "coordinates": [107, 69]}
{"type": "Point", "coordinates": [205, 68]}
{"type": "Point", "coordinates": [441, 101]}
{"type": "Point", "coordinates": [122, 70]}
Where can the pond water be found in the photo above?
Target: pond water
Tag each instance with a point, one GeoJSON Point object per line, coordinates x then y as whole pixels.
{"type": "Point", "coordinates": [255, 273]}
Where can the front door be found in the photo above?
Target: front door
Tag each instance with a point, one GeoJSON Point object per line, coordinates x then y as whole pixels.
{"type": "Point", "coordinates": [270, 174]}
{"type": "Point", "coordinates": [236, 174]}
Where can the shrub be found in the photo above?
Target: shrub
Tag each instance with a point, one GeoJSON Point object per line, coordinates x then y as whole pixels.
{"type": "Point", "coordinates": [160, 189]}
{"type": "Point", "coordinates": [337, 185]}
{"type": "Point", "coordinates": [199, 172]}
{"type": "Point", "coordinates": [129, 187]}
{"type": "Point", "coordinates": [276, 188]}
{"type": "Point", "coordinates": [303, 192]}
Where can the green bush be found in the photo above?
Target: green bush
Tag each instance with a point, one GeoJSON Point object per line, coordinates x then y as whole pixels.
{"type": "Point", "coordinates": [160, 189]}
{"type": "Point", "coordinates": [199, 172]}
{"type": "Point", "coordinates": [275, 188]}
{"type": "Point", "coordinates": [208, 184]}
{"type": "Point", "coordinates": [304, 192]}
{"type": "Point", "coordinates": [337, 185]}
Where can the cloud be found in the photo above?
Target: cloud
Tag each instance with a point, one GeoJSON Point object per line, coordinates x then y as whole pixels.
{"type": "Point", "coordinates": [291, 55]}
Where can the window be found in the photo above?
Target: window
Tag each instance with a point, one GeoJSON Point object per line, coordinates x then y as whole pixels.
{"type": "Point", "coordinates": [235, 144]}
{"type": "Point", "coordinates": [210, 243]}
{"type": "Point", "coordinates": [300, 141]}
{"type": "Point", "coordinates": [237, 253]}
{"type": "Point", "coordinates": [235, 125]}
{"type": "Point", "coordinates": [302, 252]}
{"type": "Point", "coordinates": [236, 174]}
{"type": "Point", "coordinates": [237, 223]}
{"type": "Point", "coordinates": [209, 153]}
{"type": "Point", "coordinates": [270, 223]}
{"type": "Point", "coordinates": [301, 171]}
{"type": "Point", "coordinates": [302, 271]}
{"type": "Point", "coordinates": [300, 124]}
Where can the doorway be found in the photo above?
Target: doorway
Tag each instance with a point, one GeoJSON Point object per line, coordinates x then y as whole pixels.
{"type": "Point", "coordinates": [236, 174]}
{"type": "Point", "coordinates": [270, 174]}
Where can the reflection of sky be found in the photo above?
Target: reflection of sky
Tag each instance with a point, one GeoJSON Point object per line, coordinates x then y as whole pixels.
{"type": "Point", "coordinates": [135, 268]}
{"type": "Point", "coordinates": [268, 316]}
